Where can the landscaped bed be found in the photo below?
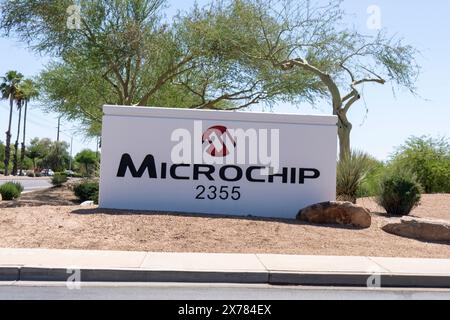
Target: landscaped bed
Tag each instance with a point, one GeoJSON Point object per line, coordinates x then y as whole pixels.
{"type": "Point", "coordinates": [76, 227]}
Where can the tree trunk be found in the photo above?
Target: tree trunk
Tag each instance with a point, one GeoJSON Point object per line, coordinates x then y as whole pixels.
{"type": "Point", "coordinates": [344, 130]}
{"type": "Point", "coordinates": [22, 154]}
{"type": "Point", "coordinates": [34, 167]}
{"type": "Point", "coordinates": [8, 137]}
{"type": "Point", "coordinates": [16, 145]}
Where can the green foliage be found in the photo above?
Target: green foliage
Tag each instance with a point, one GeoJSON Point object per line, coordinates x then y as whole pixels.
{"type": "Point", "coordinates": [370, 185]}
{"type": "Point", "coordinates": [47, 154]}
{"type": "Point", "coordinates": [88, 159]}
{"type": "Point", "coordinates": [18, 186]}
{"type": "Point", "coordinates": [10, 191]}
{"type": "Point", "coordinates": [127, 53]}
{"type": "Point", "coordinates": [428, 159]}
{"type": "Point", "coordinates": [10, 84]}
{"type": "Point", "coordinates": [351, 171]}
{"type": "Point", "coordinates": [87, 191]}
{"type": "Point", "coordinates": [59, 179]}
{"type": "Point", "coordinates": [399, 193]}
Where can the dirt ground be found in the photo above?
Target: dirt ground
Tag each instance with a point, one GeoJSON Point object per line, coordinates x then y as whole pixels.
{"type": "Point", "coordinates": [434, 206]}
{"type": "Point", "coordinates": [64, 225]}
{"type": "Point", "coordinates": [54, 197]}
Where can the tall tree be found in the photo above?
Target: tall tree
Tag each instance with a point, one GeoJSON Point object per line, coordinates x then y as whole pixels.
{"type": "Point", "coordinates": [124, 52]}
{"type": "Point", "coordinates": [8, 87]}
{"type": "Point", "coordinates": [38, 150]}
{"type": "Point", "coordinates": [19, 98]}
{"type": "Point", "coordinates": [30, 92]}
{"type": "Point", "coordinates": [297, 35]}
{"type": "Point", "coordinates": [87, 158]}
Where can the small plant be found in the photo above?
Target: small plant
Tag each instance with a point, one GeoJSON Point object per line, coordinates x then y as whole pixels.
{"type": "Point", "coordinates": [18, 185]}
{"type": "Point", "coordinates": [351, 171]}
{"type": "Point", "coordinates": [87, 191]}
{"type": "Point", "coordinates": [10, 191]}
{"type": "Point", "coordinates": [429, 160]}
{"type": "Point", "coordinates": [59, 179]}
{"type": "Point", "coordinates": [399, 194]}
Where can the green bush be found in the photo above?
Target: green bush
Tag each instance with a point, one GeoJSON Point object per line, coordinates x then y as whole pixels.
{"type": "Point", "coordinates": [399, 193]}
{"type": "Point", "coordinates": [18, 185]}
{"type": "Point", "coordinates": [87, 191]}
{"type": "Point", "coordinates": [59, 179]}
{"type": "Point", "coordinates": [351, 171]}
{"type": "Point", "coordinates": [370, 185]}
{"type": "Point", "coordinates": [428, 159]}
{"type": "Point", "coordinates": [10, 191]}
{"type": "Point", "coordinates": [30, 174]}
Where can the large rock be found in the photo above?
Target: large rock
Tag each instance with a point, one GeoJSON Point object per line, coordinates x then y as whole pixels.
{"type": "Point", "coordinates": [343, 213]}
{"type": "Point", "coordinates": [421, 229]}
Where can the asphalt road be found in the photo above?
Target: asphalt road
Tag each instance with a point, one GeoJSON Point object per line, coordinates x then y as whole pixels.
{"type": "Point", "coordinates": [173, 291]}
{"type": "Point", "coordinates": [30, 184]}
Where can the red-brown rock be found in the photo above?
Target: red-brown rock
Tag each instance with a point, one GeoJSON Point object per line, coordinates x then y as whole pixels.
{"type": "Point", "coordinates": [342, 213]}
{"type": "Point", "coordinates": [420, 229]}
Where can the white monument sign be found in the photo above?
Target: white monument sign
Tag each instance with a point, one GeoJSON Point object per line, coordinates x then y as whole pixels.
{"type": "Point", "coordinates": [216, 162]}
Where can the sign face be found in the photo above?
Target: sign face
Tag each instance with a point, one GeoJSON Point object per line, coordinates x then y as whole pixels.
{"type": "Point", "coordinates": [216, 162]}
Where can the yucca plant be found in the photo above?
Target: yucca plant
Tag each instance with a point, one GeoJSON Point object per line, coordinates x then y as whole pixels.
{"type": "Point", "coordinates": [351, 171]}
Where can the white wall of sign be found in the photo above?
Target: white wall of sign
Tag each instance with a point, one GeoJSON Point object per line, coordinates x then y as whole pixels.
{"type": "Point", "coordinates": [140, 169]}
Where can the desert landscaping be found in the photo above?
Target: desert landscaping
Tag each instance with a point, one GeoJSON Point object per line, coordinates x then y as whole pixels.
{"type": "Point", "coordinates": [53, 219]}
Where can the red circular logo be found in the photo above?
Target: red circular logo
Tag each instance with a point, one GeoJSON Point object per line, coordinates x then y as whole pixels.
{"type": "Point", "coordinates": [220, 140]}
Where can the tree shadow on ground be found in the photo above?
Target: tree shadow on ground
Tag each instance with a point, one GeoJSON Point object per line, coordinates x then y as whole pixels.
{"type": "Point", "coordinates": [56, 196]}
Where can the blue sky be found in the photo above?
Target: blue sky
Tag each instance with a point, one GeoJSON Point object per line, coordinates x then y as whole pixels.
{"type": "Point", "coordinates": [389, 121]}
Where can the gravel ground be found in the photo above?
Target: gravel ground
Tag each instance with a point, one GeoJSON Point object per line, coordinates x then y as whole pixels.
{"type": "Point", "coordinates": [434, 206]}
{"type": "Point", "coordinates": [75, 227]}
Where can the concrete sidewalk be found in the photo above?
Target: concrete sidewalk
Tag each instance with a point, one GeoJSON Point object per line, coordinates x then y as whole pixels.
{"type": "Point", "coordinates": [115, 266]}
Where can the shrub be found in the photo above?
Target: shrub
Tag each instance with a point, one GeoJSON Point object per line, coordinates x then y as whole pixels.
{"type": "Point", "coordinates": [399, 193]}
{"type": "Point", "coordinates": [10, 191]}
{"type": "Point", "coordinates": [18, 185]}
{"type": "Point", "coordinates": [30, 174]}
{"type": "Point", "coordinates": [370, 185]}
{"type": "Point", "coordinates": [87, 191]}
{"type": "Point", "coordinates": [429, 160]}
{"type": "Point", "coordinates": [59, 179]}
{"type": "Point", "coordinates": [351, 171]}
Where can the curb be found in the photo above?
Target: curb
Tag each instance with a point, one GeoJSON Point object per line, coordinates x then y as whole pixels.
{"type": "Point", "coordinates": [132, 275]}
{"type": "Point", "coordinates": [12, 273]}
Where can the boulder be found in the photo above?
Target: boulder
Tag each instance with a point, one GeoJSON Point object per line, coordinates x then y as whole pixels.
{"type": "Point", "coordinates": [420, 229]}
{"type": "Point", "coordinates": [87, 204]}
{"type": "Point", "coordinates": [343, 213]}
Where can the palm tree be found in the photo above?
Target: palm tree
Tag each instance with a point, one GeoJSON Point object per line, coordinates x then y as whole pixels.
{"type": "Point", "coordinates": [8, 88]}
{"type": "Point", "coordinates": [19, 98]}
{"type": "Point", "coordinates": [30, 91]}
